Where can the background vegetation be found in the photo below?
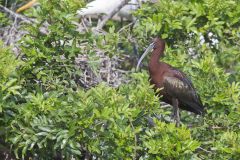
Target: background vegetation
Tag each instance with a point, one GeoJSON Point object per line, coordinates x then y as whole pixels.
{"type": "Point", "coordinates": [45, 112]}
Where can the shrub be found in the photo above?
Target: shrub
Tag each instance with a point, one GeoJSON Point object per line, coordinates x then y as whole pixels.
{"type": "Point", "coordinates": [103, 122]}
{"type": "Point", "coordinates": [45, 112]}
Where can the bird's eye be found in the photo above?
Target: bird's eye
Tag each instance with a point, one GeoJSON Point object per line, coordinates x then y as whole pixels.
{"type": "Point", "coordinates": [153, 45]}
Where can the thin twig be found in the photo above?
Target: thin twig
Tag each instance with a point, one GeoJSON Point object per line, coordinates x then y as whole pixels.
{"type": "Point", "coordinates": [109, 16]}
{"type": "Point", "coordinates": [124, 27]}
{"type": "Point", "coordinates": [204, 150]}
{"type": "Point", "coordinates": [84, 25]}
{"type": "Point", "coordinates": [135, 141]}
{"type": "Point", "coordinates": [216, 127]}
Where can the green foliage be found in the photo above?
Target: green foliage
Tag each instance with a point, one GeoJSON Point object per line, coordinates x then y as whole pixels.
{"type": "Point", "coordinates": [4, 21]}
{"type": "Point", "coordinates": [161, 142]}
{"type": "Point", "coordinates": [8, 79]}
{"type": "Point", "coordinates": [107, 128]}
{"type": "Point", "coordinates": [229, 143]}
{"type": "Point", "coordinates": [8, 62]}
{"type": "Point", "coordinates": [45, 113]}
{"type": "Point", "coordinates": [56, 50]}
{"type": "Point", "coordinates": [9, 89]}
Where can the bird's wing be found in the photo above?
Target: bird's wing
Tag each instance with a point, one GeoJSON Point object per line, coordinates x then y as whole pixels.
{"type": "Point", "coordinates": [179, 86]}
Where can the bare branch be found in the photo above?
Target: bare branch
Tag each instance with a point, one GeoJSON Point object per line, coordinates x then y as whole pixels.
{"type": "Point", "coordinates": [109, 16]}
{"type": "Point", "coordinates": [15, 15]}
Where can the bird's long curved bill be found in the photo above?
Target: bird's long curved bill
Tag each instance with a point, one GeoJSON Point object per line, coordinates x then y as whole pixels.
{"type": "Point", "coordinates": [150, 47]}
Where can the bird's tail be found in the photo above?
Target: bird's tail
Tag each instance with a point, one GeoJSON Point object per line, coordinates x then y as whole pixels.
{"type": "Point", "coordinates": [195, 108]}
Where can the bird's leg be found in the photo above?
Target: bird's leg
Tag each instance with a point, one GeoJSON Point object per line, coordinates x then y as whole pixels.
{"type": "Point", "coordinates": [176, 111]}
{"type": "Point", "coordinates": [121, 19]}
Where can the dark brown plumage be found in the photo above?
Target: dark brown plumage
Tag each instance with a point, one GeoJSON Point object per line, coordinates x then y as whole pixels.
{"type": "Point", "coordinates": [177, 89]}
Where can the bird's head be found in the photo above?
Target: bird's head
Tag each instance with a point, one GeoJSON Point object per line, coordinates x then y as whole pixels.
{"type": "Point", "coordinates": [157, 43]}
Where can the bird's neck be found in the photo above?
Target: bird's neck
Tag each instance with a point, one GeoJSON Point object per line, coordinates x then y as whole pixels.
{"type": "Point", "coordinates": [154, 60]}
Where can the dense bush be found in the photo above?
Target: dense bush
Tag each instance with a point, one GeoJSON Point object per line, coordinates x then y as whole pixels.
{"type": "Point", "coordinates": [105, 122]}
{"type": "Point", "coordinates": [46, 113]}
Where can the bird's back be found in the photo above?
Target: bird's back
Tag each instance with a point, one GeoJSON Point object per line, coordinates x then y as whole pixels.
{"type": "Point", "coordinates": [176, 84]}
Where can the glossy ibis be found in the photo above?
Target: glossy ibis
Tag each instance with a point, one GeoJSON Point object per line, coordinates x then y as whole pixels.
{"type": "Point", "coordinates": [177, 89]}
